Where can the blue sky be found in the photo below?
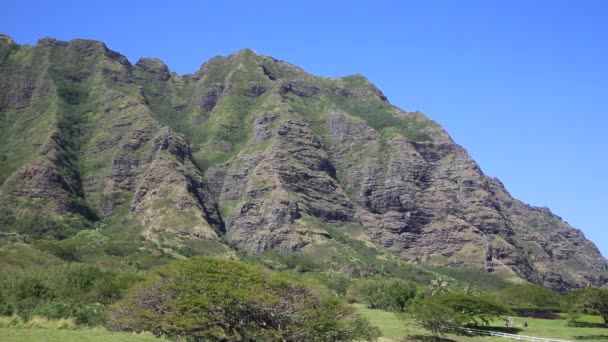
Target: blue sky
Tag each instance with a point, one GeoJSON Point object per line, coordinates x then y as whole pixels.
{"type": "Point", "coordinates": [522, 85]}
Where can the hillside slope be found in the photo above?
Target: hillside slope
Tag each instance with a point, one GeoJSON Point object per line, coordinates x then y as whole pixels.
{"type": "Point", "coordinates": [256, 152]}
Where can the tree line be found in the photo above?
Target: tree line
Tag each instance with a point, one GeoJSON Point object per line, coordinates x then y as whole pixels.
{"type": "Point", "coordinates": [216, 299]}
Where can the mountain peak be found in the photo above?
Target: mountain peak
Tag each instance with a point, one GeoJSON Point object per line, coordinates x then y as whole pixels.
{"type": "Point", "coordinates": [88, 45]}
{"type": "Point", "coordinates": [4, 38]}
{"type": "Point", "coordinates": [154, 66]}
{"type": "Point", "coordinates": [245, 52]}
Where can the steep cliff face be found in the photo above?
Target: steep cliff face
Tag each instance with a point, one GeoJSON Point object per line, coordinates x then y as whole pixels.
{"type": "Point", "coordinates": [256, 152]}
{"type": "Point", "coordinates": [85, 145]}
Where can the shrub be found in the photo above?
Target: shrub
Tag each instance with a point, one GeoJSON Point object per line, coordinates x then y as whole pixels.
{"type": "Point", "coordinates": [82, 314]}
{"type": "Point", "coordinates": [387, 294]}
{"type": "Point", "coordinates": [215, 300]}
{"type": "Point", "coordinates": [291, 260]}
{"type": "Point", "coordinates": [62, 250]}
{"type": "Point", "coordinates": [65, 324]}
{"type": "Point", "coordinates": [528, 296]}
{"type": "Point", "coordinates": [77, 291]}
{"type": "Point", "coordinates": [10, 321]}
{"type": "Point", "coordinates": [37, 322]}
{"type": "Point", "coordinates": [120, 248]}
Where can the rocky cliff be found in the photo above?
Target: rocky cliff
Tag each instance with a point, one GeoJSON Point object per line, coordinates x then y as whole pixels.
{"type": "Point", "coordinates": [258, 153]}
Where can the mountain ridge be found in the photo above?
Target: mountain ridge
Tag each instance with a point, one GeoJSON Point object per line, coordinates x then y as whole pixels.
{"type": "Point", "coordinates": [258, 153]}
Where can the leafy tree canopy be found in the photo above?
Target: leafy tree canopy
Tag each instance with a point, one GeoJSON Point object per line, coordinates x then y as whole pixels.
{"type": "Point", "coordinates": [442, 312]}
{"type": "Point", "coordinates": [220, 300]}
{"type": "Point", "coordinates": [591, 300]}
{"type": "Point", "coordinates": [473, 309]}
{"type": "Point", "coordinates": [528, 295]}
{"type": "Point", "coordinates": [387, 294]}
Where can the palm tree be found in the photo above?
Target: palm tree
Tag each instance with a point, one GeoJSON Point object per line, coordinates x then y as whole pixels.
{"type": "Point", "coordinates": [439, 286]}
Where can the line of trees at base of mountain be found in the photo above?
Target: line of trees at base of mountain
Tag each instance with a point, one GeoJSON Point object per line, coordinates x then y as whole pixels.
{"type": "Point", "coordinates": [218, 300]}
{"type": "Point", "coordinates": [441, 307]}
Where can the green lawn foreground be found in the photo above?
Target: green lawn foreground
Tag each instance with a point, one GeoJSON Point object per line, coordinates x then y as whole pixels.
{"type": "Point", "coordinates": [588, 328]}
{"type": "Point", "coordinates": [79, 335]}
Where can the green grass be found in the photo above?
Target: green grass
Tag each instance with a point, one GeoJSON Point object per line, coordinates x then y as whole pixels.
{"type": "Point", "coordinates": [388, 323]}
{"type": "Point", "coordinates": [18, 255]}
{"type": "Point", "coordinates": [89, 335]}
{"type": "Point", "coordinates": [375, 112]}
{"type": "Point", "coordinates": [588, 328]}
{"type": "Point", "coordinates": [394, 329]}
{"type": "Point", "coordinates": [358, 259]}
{"type": "Point", "coordinates": [227, 207]}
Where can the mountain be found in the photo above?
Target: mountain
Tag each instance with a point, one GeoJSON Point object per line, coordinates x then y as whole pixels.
{"type": "Point", "coordinates": [253, 153]}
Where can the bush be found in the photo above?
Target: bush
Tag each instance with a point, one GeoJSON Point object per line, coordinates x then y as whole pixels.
{"type": "Point", "coordinates": [529, 296]}
{"type": "Point", "coordinates": [292, 260]}
{"type": "Point", "coordinates": [37, 322]}
{"type": "Point", "coordinates": [77, 291]}
{"type": "Point", "coordinates": [386, 294]}
{"type": "Point", "coordinates": [65, 324]}
{"type": "Point", "coordinates": [218, 300]}
{"type": "Point", "coordinates": [81, 314]}
{"type": "Point", "coordinates": [65, 250]}
{"type": "Point", "coordinates": [119, 248]}
{"type": "Point", "coordinates": [13, 321]}
{"type": "Point", "coordinates": [6, 308]}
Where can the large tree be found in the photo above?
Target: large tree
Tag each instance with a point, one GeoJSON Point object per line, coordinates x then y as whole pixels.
{"type": "Point", "coordinates": [592, 300]}
{"type": "Point", "coordinates": [451, 310]}
{"type": "Point", "coordinates": [222, 300]}
{"type": "Point", "coordinates": [528, 295]}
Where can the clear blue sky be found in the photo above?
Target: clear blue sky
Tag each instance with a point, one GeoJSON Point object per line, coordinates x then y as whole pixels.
{"type": "Point", "coordinates": [522, 85]}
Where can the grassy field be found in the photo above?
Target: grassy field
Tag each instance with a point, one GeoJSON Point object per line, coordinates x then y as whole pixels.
{"type": "Point", "coordinates": [589, 328]}
{"type": "Point", "coordinates": [394, 329]}
{"type": "Point", "coordinates": [88, 335]}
